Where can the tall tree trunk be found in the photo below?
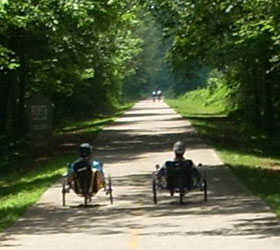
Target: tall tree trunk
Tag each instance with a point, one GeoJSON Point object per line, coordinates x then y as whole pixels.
{"type": "Point", "coordinates": [22, 89]}
{"type": "Point", "coordinates": [5, 87]}
{"type": "Point", "coordinates": [256, 92]}
{"type": "Point", "coordinates": [13, 103]}
{"type": "Point", "coordinates": [18, 98]}
{"type": "Point", "coordinates": [269, 109]}
{"type": "Point", "coordinates": [257, 106]}
{"type": "Point", "coordinates": [4, 100]}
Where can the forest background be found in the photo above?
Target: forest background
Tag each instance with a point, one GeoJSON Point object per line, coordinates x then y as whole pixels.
{"type": "Point", "coordinates": [86, 56]}
{"type": "Point", "coordinates": [89, 57]}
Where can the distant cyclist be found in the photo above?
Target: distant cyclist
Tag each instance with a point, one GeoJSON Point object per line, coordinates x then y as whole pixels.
{"type": "Point", "coordinates": [154, 95]}
{"type": "Point", "coordinates": [159, 94]}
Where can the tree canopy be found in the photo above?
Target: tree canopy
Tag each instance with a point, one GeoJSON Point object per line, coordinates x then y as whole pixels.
{"type": "Point", "coordinates": [80, 53]}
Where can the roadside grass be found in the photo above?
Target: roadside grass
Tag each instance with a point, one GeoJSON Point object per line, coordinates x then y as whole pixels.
{"type": "Point", "coordinates": [89, 126]}
{"type": "Point", "coordinates": [20, 190]}
{"type": "Point", "coordinates": [85, 127]}
{"type": "Point", "coordinates": [24, 178]}
{"type": "Point", "coordinates": [252, 156]}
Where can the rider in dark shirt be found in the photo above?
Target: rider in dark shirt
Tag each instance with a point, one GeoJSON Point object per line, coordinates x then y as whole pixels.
{"type": "Point", "coordinates": [179, 150]}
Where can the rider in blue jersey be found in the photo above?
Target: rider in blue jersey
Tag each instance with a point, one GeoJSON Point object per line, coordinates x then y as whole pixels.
{"type": "Point", "coordinates": [86, 154]}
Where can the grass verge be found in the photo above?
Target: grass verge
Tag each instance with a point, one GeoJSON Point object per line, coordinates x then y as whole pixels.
{"type": "Point", "coordinates": [20, 190]}
{"type": "Point", "coordinates": [253, 157]}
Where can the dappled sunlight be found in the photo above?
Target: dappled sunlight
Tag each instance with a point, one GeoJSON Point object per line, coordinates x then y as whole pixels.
{"type": "Point", "coordinates": [134, 209]}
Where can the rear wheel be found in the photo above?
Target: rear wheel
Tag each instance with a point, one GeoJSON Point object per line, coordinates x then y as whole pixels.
{"type": "Point", "coordinates": [181, 192]}
{"type": "Point", "coordinates": [86, 200]}
{"type": "Point", "coordinates": [205, 189]}
{"type": "Point", "coordinates": [110, 190]}
{"type": "Point", "coordinates": [181, 198]}
{"type": "Point", "coordinates": [63, 193]}
{"type": "Point", "coordinates": [154, 188]}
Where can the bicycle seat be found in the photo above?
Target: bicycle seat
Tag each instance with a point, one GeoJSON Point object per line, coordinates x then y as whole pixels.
{"type": "Point", "coordinates": [83, 176]}
{"type": "Point", "coordinates": [179, 173]}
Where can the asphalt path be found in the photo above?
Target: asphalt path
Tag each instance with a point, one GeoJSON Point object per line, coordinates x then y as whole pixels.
{"type": "Point", "coordinates": [231, 219]}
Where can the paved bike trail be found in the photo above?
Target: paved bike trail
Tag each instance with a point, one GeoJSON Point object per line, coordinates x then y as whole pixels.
{"type": "Point", "coordinates": [231, 219]}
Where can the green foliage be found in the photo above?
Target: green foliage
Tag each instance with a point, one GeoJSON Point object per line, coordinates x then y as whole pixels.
{"type": "Point", "coordinates": [80, 54]}
{"type": "Point", "coordinates": [202, 101]}
{"type": "Point", "coordinates": [7, 60]}
{"type": "Point", "coordinates": [22, 188]}
{"type": "Point", "coordinates": [213, 98]}
{"type": "Point", "coordinates": [240, 38]}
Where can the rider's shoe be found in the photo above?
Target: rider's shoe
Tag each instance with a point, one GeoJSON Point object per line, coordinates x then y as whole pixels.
{"type": "Point", "coordinates": [68, 187]}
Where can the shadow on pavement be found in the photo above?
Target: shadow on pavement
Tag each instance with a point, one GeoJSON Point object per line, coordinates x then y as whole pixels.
{"type": "Point", "coordinates": [134, 209]}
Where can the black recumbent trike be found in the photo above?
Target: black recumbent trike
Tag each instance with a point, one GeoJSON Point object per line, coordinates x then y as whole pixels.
{"type": "Point", "coordinates": [86, 182]}
{"type": "Point", "coordinates": [179, 177]}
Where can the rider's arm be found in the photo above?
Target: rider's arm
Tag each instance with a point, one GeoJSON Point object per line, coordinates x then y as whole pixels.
{"type": "Point", "coordinates": [98, 166]}
{"type": "Point", "coordinates": [162, 170]}
{"type": "Point", "coordinates": [70, 168]}
{"type": "Point", "coordinates": [195, 171]}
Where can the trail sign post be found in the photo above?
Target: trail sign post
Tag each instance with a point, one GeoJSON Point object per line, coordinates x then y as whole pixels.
{"type": "Point", "coordinates": [40, 123]}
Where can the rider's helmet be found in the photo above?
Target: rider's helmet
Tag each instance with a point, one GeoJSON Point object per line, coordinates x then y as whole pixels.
{"type": "Point", "coordinates": [85, 149]}
{"type": "Point", "coordinates": [179, 147]}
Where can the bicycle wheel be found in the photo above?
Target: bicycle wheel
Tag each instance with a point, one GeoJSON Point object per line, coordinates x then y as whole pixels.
{"type": "Point", "coordinates": [154, 188]}
{"type": "Point", "coordinates": [181, 191]}
{"type": "Point", "coordinates": [63, 191]}
{"type": "Point", "coordinates": [86, 200]}
{"type": "Point", "coordinates": [205, 187]}
{"type": "Point", "coordinates": [110, 190]}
